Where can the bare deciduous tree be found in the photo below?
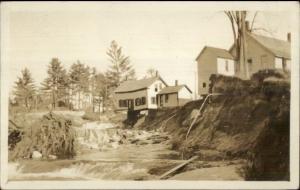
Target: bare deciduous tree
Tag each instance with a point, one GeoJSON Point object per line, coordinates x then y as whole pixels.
{"type": "Point", "coordinates": [238, 25]}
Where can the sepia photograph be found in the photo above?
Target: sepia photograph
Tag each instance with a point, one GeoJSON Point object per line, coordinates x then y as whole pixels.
{"type": "Point", "coordinates": [148, 95]}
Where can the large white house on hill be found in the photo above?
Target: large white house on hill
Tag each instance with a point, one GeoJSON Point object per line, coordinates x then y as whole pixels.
{"type": "Point", "coordinates": [262, 52]}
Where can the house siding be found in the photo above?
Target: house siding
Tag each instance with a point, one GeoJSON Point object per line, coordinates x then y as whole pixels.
{"type": "Point", "coordinates": [174, 99]}
{"type": "Point", "coordinates": [206, 65]}
{"type": "Point", "coordinates": [133, 96]}
{"type": "Point", "coordinates": [260, 56]}
{"type": "Point", "coordinates": [221, 66]}
{"type": "Point", "coordinates": [184, 96]}
{"type": "Point", "coordinates": [151, 93]}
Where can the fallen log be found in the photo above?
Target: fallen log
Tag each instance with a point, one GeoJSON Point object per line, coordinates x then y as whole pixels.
{"type": "Point", "coordinates": [177, 167]}
{"type": "Point", "coordinates": [14, 124]}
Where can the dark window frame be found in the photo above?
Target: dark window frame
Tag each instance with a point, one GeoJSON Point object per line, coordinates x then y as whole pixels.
{"type": "Point", "coordinates": [153, 100]}
{"type": "Point", "coordinates": [226, 65]}
{"type": "Point", "coordinates": [166, 98]}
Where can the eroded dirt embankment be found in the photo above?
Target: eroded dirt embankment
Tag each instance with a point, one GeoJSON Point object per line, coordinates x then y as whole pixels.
{"type": "Point", "coordinates": [249, 120]}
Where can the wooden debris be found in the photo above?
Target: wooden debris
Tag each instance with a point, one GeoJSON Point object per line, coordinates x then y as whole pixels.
{"type": "Point", "coordinates": [199, 112]}
{"type": "Point", "coordinates": [178, 167]}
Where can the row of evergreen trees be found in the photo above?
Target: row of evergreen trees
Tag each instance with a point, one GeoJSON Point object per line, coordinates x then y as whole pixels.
{"type": "Point", "coordinates": [59, 82]}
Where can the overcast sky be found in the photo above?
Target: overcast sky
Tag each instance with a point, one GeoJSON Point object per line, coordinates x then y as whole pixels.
{"type": "Point", "coordinates": [165, 36]}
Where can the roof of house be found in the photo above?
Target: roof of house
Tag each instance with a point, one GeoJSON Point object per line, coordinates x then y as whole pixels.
{"type": "Point", "coordinates": [173, 89]}
{"type": "Point", "coordinates": [134, 85]}
{"type": "Point", "coordinates": [219, 52]}
{"type": "Point", "coordinates": [280, 48]}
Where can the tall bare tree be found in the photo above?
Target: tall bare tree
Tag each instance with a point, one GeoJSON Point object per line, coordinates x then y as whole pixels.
{"type": "Point", "coordinates": [151, 72]}
{"type": "Point", "coordinates": [238, 25]}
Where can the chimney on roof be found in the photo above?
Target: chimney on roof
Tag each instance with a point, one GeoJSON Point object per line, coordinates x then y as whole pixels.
{"type": "Point", "coordinates": [289, 37]}
{"type": "Point", "coordinates": [156, 73]}
{"type": "Point", "coordinates": [247, 26]}
{"type": "Point", "coordinates": [176, 82]}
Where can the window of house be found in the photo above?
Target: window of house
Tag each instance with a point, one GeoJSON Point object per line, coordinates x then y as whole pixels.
{"type": "Point", "coordinates": [143, 101]}
{"type": "Point", "coordinates": [226, 65]}
{"type": "Point", "coordinates": [287, 64]}
{"type": "Point", "coordinates": [123, 103]}
{"type": "Point", "coordinates": [153, 100]}
{"type": "Point", "coordinates": [156, 88]}
{"type": "Point", "coordinates": [204, 85]}
{"type": "Point", "coordinates": [138, 101]}
{"type": "Point", "coordinates": [166, 98]}
{"type": "Point", "coordinates": [278, 63]}
{"type": "Point", "coordinates": [249, 61]}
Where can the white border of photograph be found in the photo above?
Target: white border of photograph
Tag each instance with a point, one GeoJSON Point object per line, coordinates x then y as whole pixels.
{"type": "Point", "coordinates": [292, 7]}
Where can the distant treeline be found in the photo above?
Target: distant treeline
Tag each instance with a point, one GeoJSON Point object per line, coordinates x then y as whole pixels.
{"type": "Point", "coordinates": [60, 84]}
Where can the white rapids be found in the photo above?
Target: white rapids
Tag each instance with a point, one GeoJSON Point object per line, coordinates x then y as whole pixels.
{"type": "Point", "coordinates": [104, 152]}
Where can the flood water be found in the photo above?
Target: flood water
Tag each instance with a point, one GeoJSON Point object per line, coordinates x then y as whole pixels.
{"type": "Point", "coordinates": [105, 152]}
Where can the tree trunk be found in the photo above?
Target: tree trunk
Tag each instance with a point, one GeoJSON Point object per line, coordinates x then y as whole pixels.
{"type": "Point", "coordinates": [53, 99]}
{"type": "Point", "coordinates": [243, 56]}
{"type": "Point", "coordinates": [79, 101]}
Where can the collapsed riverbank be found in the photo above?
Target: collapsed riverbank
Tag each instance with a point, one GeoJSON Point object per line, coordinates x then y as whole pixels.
{"type": "Point", "coordinates": [248, 120]}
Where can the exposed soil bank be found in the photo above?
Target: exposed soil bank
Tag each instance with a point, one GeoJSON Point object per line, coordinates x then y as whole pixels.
{"type": "Point", "coordinates": [250, 120]}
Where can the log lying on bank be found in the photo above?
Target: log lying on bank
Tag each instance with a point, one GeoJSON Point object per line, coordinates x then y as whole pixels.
{"type": "Point", "coordinates": [52, 135]}
{"type": "Point", "coordinates": [177, 167]}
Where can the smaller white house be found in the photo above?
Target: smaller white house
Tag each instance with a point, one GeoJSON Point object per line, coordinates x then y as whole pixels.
{"type": "Point", "coordinates": [136, 95]}
{"type": "Point", "coordinates": [173, 96]}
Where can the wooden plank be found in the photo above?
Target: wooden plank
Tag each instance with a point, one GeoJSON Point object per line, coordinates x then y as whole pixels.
{"type": "Point", "coordinates": [178, 167]}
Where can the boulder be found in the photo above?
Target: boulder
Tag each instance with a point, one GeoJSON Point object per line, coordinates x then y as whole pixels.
{"type": "Point", "coordinates": [36, 155]}
{"type": "Point", "coordinates": [52, 157]}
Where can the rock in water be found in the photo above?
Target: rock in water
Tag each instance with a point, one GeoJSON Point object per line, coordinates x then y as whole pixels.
{"type": "Point", "coordinates": [36, 155]}
{"type": "Point", "coordinates": [52, 157]}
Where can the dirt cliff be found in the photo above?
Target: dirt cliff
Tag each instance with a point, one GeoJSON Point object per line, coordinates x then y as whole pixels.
{"type": "Point", "coordinates": [250, 119]}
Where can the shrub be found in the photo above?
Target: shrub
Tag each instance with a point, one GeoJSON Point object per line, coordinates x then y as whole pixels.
{"type": "Point", "coordinates": [92, 116]}
{"type": "Point", "coordinates": [51, 135]}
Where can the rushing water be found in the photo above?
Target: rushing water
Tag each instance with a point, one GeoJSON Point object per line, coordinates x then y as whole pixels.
{"type": "Point", "coordinates": [104, 152]}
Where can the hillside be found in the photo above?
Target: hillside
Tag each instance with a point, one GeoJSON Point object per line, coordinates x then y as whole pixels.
{"type": "Point", "coordinates": [249, 120]}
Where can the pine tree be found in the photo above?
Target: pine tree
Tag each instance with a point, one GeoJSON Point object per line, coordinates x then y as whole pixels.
{"type": "Point", "coordinates": [56, 82]}
{"type": "Point", "coordinates": [120, 68]}
{"type": "Point", "coordinates": [25, 89]}
{"type": "Point", "coordinates": [79, 76]}
{"type": "Point", "coordinates": [101, 89]}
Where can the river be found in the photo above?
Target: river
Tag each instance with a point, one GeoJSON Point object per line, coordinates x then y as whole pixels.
{"type": "Point", "coordinates": [105, 152]}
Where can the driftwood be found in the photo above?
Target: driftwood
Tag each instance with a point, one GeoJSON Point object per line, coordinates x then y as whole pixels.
{"type": "Point", "coordinates": [199, 112]}
{"type": "Point", "coordinates": [178, 167]}
{"type": "Point", "coordinates": [14, 124]}
{"type": "Point", "coordinates": [164, 124]}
